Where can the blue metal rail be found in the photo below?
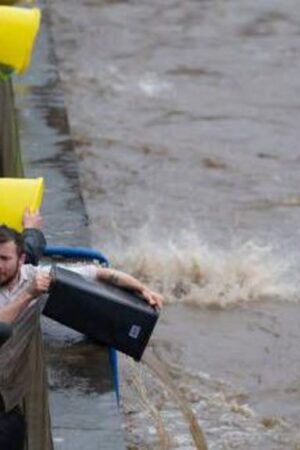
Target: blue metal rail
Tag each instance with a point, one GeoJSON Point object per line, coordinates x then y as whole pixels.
{"type": "Point", "coordinates": [89, 254]}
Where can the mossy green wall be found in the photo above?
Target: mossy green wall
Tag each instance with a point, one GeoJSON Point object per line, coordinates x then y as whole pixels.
{"type": "Point", "coordinates": [10, 154]}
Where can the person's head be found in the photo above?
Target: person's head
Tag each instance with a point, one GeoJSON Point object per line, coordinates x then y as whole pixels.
{"type": "Point", "coordinates": [12, 255]}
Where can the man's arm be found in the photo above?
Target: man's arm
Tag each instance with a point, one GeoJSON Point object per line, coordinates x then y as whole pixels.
{"type": "Point", "coordinates": [34, 239]}
{"type": "Point", "coordinates": [126, 281]}
{"type": "Point", "coordinates": [40, 284]}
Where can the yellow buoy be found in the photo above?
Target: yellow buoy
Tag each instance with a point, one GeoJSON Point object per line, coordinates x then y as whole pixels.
{"type": "Point", "coordinates": [18, 30]}
{"type": "Point", "coordinates": [17, 194]}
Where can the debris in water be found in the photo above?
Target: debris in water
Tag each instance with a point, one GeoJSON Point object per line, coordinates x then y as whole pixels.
{"type": "Point", "coordinates": [213, 163]}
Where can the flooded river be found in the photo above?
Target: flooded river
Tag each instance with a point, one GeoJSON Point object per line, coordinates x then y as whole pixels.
{"type": "Point", "coordinates": [185, 116]}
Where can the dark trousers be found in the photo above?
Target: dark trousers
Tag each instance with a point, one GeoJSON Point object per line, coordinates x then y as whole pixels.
{"type": "Point", "coordinates": [12, 429]}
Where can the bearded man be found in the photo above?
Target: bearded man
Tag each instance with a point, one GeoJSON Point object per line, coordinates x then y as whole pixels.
{"type": "Point", "coordinates": [21, 357]}
{"type": "Point", "coordinates": [23, 382]}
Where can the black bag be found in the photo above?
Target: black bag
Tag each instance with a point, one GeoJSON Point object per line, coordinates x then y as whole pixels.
{"type": "Point", "coordinates": [106, 313]}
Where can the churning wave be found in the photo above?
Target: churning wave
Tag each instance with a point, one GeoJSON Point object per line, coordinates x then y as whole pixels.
{"type": "Point", "coordinates": [187, 270]}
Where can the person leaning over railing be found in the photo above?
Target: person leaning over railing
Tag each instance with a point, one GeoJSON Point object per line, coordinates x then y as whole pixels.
{"type": "Point", "coordinates": [34, 245]}
{"type": "Point", "coordinates": [23, 384]}
{"type": "Point", "coordinates": [12, 425]}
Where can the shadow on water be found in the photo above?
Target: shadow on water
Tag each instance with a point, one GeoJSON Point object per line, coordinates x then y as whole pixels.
{"type": "Point", "coordinates": [81, 366]}
{"type": "Point", "coordinates": [161, 371]}
{"type": "Point", "coordinates": [292, 201]}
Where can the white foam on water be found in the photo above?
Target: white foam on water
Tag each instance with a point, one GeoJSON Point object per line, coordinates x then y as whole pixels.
{"type": "Point", "coordinates": [187, 270]}
{"type": "Point", "coordinates": [152, 86]}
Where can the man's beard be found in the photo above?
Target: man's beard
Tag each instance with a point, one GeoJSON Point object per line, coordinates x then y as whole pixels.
{"type": "Point", "coordinates": [10, 278]}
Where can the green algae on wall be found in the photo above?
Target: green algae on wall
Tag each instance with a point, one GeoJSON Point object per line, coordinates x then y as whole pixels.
{"type": "Point", "coordinates": [10, 153]}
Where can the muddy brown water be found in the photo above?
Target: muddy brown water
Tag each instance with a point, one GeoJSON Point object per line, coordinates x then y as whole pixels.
{"type": "Point", "coordinates": [185, 117]}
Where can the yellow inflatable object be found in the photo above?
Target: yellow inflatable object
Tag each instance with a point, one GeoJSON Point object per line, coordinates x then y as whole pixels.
{"type": "Point", "coordinates": [18, 30]}
{"type": "Point", "coordinates": [17, 194]}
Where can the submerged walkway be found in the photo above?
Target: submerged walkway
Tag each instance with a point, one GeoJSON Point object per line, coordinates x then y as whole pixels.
{"type": "Point", "coordinates": [83, 402]}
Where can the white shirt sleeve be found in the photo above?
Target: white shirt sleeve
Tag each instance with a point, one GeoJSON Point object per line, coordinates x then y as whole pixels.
{"type": "Point", "coordinates": [88, 271]}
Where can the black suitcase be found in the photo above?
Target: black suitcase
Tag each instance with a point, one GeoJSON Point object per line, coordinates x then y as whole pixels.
{"type": "Point", "coordinates": [108, 314]}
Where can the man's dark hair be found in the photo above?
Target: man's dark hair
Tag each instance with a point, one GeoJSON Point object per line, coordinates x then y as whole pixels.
{"type": "Point", "coordinates": [8, 234]}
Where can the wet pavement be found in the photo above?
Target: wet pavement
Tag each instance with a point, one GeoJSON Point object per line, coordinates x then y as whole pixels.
{"type": "Point", "coordinates": [82, 398]}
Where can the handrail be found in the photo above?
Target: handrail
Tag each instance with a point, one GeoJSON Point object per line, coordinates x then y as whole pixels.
{"type": "Point", "coordinates": [90, 254]}
{"type": "Point", "coordinates": [76, 252]}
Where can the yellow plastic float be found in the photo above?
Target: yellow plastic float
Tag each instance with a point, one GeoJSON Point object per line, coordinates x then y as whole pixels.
{"type": "Point", "coordinates": [17, 194]}
{"type": "Point", "coordinates": [18, 30]}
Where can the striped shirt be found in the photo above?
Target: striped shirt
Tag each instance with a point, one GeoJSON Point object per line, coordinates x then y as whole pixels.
{"type": "Point", "coordinates": [15, 353]}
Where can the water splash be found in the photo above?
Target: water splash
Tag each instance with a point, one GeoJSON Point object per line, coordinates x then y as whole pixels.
{"type": "Point", "coordinates": [222, 409]}
{"type": "Point", "coordinates": [161, 371]}
{"type": "Point", "coordinates": [186, 270]}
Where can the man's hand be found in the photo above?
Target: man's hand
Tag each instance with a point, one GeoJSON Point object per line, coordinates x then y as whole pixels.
{"type": "Point", "coordinates": [129, 282]}
{"type": "Point", "coordinates": [39, 285]}
{"type": "Point", "coordinates": [153, 298]}
{"type": "Point", "coordinates": [32, 220]}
